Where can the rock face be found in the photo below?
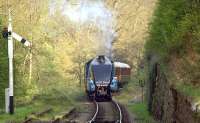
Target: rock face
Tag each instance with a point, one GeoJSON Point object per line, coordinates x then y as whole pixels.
{"type": "Point", "coordinates": [166, 104]}
{"type": "Point", "coordinates": [183, 112]}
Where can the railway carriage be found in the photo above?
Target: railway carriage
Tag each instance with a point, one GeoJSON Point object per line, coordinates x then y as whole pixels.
{"type": "Point", "coordinates": [122, 72]}
{"type": "Point", "coordinates": [99, 78]}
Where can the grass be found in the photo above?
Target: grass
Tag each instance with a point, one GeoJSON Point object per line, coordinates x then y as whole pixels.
{"type": "Point", "coordinates": [19, 115]}
{"type": "Point", "coordinates": [128, 92]}
{"type": "Point", "coordinates": [131, 97]}
{"type": "Point", "coordinates": [21, 112]}
{"type": "Point", "coordinates": [60, 104]}
{"type": "Point", "coordinates": [141, 112]}
{"type": "Point", "coordinates": [189, 90]}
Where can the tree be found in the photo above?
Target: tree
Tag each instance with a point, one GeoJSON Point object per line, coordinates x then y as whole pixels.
{"type": "Point", "coordinates": [133, 18]}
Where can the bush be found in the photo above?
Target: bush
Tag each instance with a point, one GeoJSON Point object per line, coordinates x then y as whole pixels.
{"type": "Point", "coordinates": [174, 28]}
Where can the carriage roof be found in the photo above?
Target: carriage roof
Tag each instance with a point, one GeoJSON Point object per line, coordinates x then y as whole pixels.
{"type": "Point", "coordinates": [121, 65]}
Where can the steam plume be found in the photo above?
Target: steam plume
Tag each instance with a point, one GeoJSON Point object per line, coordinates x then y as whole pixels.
{"type": "Point", "coordinates": [93, 12]}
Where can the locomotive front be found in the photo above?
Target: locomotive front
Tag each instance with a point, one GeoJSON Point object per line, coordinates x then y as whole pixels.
{"type": "Point", "coordinates": [100, 79]}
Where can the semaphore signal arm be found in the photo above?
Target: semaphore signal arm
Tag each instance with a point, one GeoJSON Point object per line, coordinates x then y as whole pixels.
{"type": "Point", "coordinates": [7, 31]}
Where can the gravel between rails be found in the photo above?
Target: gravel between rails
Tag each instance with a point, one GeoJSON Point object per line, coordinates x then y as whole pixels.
{"type": "Point", "coordinates": [108, 113]}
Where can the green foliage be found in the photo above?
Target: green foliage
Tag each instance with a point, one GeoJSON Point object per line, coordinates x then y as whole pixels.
{"type": "Point", "coordinates": [175, 28]}
{"type": "Point", "coordinates": [132, 28]}
{"type": "Point", "coordinates": [3, 69]}
{"type": "Point", "coordinates": [189, 90]}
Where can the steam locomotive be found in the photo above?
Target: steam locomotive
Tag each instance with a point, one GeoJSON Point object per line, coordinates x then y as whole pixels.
{"type": "Point", "coordinates": [99, 78]}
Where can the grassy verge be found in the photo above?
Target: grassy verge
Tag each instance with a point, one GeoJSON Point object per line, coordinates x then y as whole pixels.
{"type": "Point", "coordinates": [128, 93]}
{"type": "Point", "coordinates": [189, 90]}
{"type": "Point", "coordinates": [36, 106]}
{"type": "Point", "coordinates": [131, 97]}
{"type": "Point", "coordinates": [58, 105]}
{"type": "Point", "coordinates": [141, 113]}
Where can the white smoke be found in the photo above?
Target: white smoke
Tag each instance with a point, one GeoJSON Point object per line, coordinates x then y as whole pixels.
{"type": "Point", "coordinates": [92, 12]}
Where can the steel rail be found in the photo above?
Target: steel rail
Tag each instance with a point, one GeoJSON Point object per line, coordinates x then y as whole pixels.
{"type": "Point", "coordinates": [95, 114]}
{"type": "Point", "coordinates": [97, 110]}
{"type": "Point", "coordinates": [120, 111]}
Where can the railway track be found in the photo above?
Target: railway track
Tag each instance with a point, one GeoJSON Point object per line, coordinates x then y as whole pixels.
{"type": "Point", "coordinates": [107, 112]}
{"type": "Point", "coordinates": [93, 112]}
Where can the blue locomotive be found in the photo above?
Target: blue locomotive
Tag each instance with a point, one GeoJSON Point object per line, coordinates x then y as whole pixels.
{"type": "Point", "coordinates": [99, 78]}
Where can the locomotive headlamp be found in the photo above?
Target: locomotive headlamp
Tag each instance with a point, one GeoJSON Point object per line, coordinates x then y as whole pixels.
{"type": "Point", "coordinates": [91, 86]}
{"type": "Point", "coordinates": [114, 84]}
